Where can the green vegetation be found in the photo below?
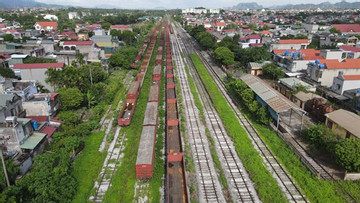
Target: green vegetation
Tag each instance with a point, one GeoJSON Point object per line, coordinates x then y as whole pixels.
{"type": "Point", "coordinates": [33, 59]}
{"type": "Point", "coordinates": [124, 179]}
{"type": "Point", "coordinates": [87, 166]}
{"type": "Point", "coordinates": [224, 56]}
{"type": "Point", "coordinates": [265, 184]}
{"type": "Point", "coordinates": [7, 73]}
{"type": "Point", "coordinates": [345, 151]}
{"type": "Point", "coordinates": [271, 71]}
{"type": "Point", "coordinates": [123, 57]}
{"type": "Point", "coordinates": [255, 54]}
{"type": "Point", "coordinates": [315, 190]}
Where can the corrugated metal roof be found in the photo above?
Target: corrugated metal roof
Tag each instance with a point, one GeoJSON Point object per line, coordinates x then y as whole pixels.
{"type": "Point", "coordinates": [33, 141]}
{"type": "Point", "coordinates": [346, 119]}
{"type": "Point", "coordinates": [274, 99]}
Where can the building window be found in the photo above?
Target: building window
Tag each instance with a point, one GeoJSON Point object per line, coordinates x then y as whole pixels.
{"type": "Point", "coordinates": [329, 124]}
{"type": "Point", "coordinates": [347, 134]}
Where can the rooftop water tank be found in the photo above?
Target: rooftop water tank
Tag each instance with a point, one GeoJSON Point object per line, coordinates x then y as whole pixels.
{"type": "Point", "coordinates": [321, 66]}
{"type": "Point", "coordinates": [287, 52]}
{"type": "Point", "coordinates": [295, 54]}
{"type": "Point", "coordinates": [358, 91]}
{"type": "Point", "coordinates": [314, 64]}
{"type": "Point", "coordinates": [317, 61]}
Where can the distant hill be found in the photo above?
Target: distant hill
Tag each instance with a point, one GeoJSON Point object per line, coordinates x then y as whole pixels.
{"type": "Point", "coordinates": [24, 3]}
{"type": "Point", "coordinates": [324, 5]}
{"type": "Point", "coordinates": [243, 6]}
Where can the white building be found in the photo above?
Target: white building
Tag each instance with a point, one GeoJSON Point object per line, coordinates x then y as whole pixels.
{"type": "Point", "coordinates": [324, 72]}
{"type": "Point", "coordinates": [343, 83]}
{"type": "Point", "coordinates": [194, 10]}
{"type": "Point", "coordinates": [214, 11]}
{"type": "Point", "coordinates": [73, 15]}
{"type": "Point", "coordinates": [50, 17]}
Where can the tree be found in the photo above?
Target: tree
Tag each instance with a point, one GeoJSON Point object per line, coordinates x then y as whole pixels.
{"type": "Point", "coordinates": [197, 29]}
{"type": "Point", "coordinates": [262, 116]}
{"type": "Point", "coordinates": [12, 172]}
{"type": "Point", "coordinates": [271, 71]}
{"type": "Point", "coordinates": [224, 56]}
{"type": "Point", "coordinates": [227, 42]}
{"type": "Point", "coordinates": [347, 153]}
{"type": "Point", "coordinates": [106, 25]}
{"type": "Point", "coordinates": [334, 30]}
{"type": "Point", "coordinates": [119, 60]}
{"type": "Point", "coordinates": [247, 96]}
{"type": "Point", "coordinates": [70, 98]}
{"type": "Point", "coordinates": [128, 37]}
{"type": "Point", "coordinates": [255, 54]}
{"type": "Point", "coordinates": [7, 73]}
{"type": "Point", "coordinates": [8, 38]}
{"type": "Point", "coordinates": [69, 117]}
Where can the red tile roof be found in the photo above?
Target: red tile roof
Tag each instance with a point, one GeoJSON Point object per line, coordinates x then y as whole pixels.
{"type": "Point", "coordinates": [49, 131]}
{"type": "Point", "coordinates": [254, 37]}
{"type": "Point", "coordinates": [78, 43]}
{"type": "Point", "coordinates": [220, 24]}
{"type": "Point", "coordinates": [346, 64]}
{"type": "Point", "coordinates": [2, 25]}
{"type": "Point", "coordinates": [119, 26]}
{"type": "Point", "coordinates": [308, 54]}
{"type": "Point", "coordinates": [345, 28]}
{"type": "Point", "coordinates": [39, 65]}
{"type": "Point", "coordinates": [350, 48]}
{"type": "Point", "coordinates": [256, 44]}
{"type": "Point", "coordinates": [265, 32]}
{"type": "Point", "coordinates": [38, 118]}
{"type": "Point", "coordinates": [294, 41]}
{"type": "Point", "coordinates": [351, 77]}
{"type": "Point", "coordinates": [53, 95]}
{"type": "Point", "coordinates": [45, 24]}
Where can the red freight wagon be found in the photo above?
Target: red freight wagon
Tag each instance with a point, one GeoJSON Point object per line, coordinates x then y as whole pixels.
{"type": "Point", "coordinates": [154, 92]}
{"type": "Point", "coordinates": [157, 73]}
{"type": "Point", "coordinates": [126, 112]}
{"type": "Point", "coordinates": [146, 152]}
{"type": "Point", "coordinates": [158, 59]}
{"type": "Point", "coordinates": [151, 114]}
{"type": "Point", "coordinates": [169, 67]}
{"type": "Point", "coordinates": [133, 90]}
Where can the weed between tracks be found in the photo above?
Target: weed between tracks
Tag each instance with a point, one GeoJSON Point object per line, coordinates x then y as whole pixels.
{"type": "Point", "coordinates": [189, 161]}
{"type": "Point", "coordinates": [265, 185]}
{"type": "Point", "coordinates": [214, 156]}
{"type": "Point", "coordinates": [124, 179]}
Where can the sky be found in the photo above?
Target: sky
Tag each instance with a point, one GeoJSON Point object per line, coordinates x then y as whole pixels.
{"type": "Point", "coordinates": [149, 4]}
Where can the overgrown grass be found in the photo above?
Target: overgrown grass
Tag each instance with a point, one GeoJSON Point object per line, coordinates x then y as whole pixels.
{"type": "Point", "coordinates": [316, 190]}
{"type": "Point", "coordinates": [124, 179]}
{"type": "Point", "coordinates": [265, 185]}
{"type": "Point", "coordinates": [87, 166]}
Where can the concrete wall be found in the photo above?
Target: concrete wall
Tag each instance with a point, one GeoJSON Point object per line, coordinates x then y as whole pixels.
{"type": "Point", "coordinates": [16, 135]}
{"type": "Point", "coordinates": [298, 65]}
{"type": "Point", "coordinates": [40, 108]}
{"type": "Point", "coordinates": [339, 85]}
{"type": "Point", "coordinates": [352, 176]}
{"type": "Point", "coordinates": [326, 76]}
{"type": "Point", "coordinates": [311, 28]}
{"type": "Point", "coordinates": [331, 54]}
{"type": "Point", "coordinates": [25, 166]}
{"type": "Point", "coordinates": [36, 74]}
{"type": "Point", "coordinates": [286, 46]}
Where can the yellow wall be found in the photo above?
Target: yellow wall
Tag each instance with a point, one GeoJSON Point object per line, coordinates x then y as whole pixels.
{"type": "Point", "coordinates": [337, 129]}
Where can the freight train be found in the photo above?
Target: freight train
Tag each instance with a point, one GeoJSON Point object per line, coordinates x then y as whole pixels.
{"type": "Point", "coordinates": [127, 111]}
{"type": "Point", "coordinates": [176, 188]}
{"type": "Point", "coordinates": [146, 153]}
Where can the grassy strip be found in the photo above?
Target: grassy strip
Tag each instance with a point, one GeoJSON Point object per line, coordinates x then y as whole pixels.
{"type": "Point", "coordinates": [87, 166]}
{"type": "Point", "coordinates": [124, 179]}
{"type": "Point", "coordinates": [265, 185]}
{"type": "Point", "coordinates": [315, 190]}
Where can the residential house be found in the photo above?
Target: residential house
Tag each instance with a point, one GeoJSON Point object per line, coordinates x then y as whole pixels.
{"type": "Point", "coordinates": [290, 44]}
{"type": "Point", "coordinates": [219, 26]}
{"type": "Point", "coordinates": [351, 52]}
{"type": "Point", "coordinates": [344, 123]}
{"type": "Point", "coordinates": [342, 83]}
{"type": "Point", "coordinates": [302, 98]}
{"type": "Point", "coordinates": [73, 15]}
{"type": "Point", "coordinates": [326, 70]}
{"type": "Point", "coordinates": [311, 28]}
{"type": "Point", "coordinates": [121, 28]}
{"type": "Point", "coordinates": [45, 26]}
{"type": "Point", "coordinates": [347, 29]}
{"type": "Point", "coordinates": [256, 68]}
{"type": "Point", "coordinates": [250, 41]}
{"type": "Point", "coordinates": [286, 86]}
{"type": "Point", "coordinates": [36, 71]}
{"type": "Point", "coordinates": [42, 105]}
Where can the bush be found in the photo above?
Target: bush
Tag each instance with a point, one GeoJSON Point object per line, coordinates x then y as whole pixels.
{"type": "Point", "coordinates": [69, 118]}
{"type": "Point", "coordinates": [70, 98]}
{"type": "Point", "coordinates": [347, 154]}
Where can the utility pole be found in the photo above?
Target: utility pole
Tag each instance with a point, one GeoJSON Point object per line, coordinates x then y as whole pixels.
{"type": "Point", "coordinates": [91, 79]}
{"type": "Point", "coordinates": [4, 166]}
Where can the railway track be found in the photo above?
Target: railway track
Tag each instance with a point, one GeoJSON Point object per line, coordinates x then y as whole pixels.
{"type": "Point", "coordinates": [241, 187]}
{"type": "Point", "coordinates": [283, 178]}
{"type": "Point", "coordinates": [210, 189]}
